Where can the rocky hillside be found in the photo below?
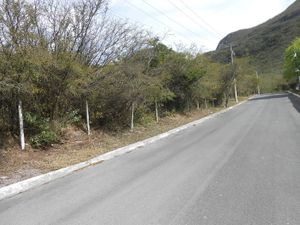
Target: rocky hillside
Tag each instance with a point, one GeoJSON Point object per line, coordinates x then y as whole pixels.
{"type": "Point", "coordinates": [265, 43]}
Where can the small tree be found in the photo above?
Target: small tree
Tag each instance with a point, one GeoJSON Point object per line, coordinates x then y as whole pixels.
{"type": "Point", "coordinates": [292, 62]}
{"type": "Point", "coordinates": [246, 74]}
{"type": "Point", "coordinates": [17, 42]}
{"type": "Point", "coordinates": [156, 94]}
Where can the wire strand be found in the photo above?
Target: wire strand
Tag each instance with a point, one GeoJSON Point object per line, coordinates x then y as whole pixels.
{"type": "Point", "coordinates": [197, 15]}
{"type": "Point", "coordinates": [192, 19]}
{"type": "Point", "coordinates": [155, 19]}
{"type": "Point", "coordinates": [175, 22]}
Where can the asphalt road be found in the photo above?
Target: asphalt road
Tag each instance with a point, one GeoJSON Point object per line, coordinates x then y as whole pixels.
{"type": "Point", "coordinates": [240, 168]}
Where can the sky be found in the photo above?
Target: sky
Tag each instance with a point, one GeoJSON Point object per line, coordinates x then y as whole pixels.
{"type": "Point", "coordinates": [200, 22]}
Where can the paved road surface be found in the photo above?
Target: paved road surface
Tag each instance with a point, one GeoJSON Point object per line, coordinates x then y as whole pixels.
{"type": "Point", "coordinates": [241, 168]}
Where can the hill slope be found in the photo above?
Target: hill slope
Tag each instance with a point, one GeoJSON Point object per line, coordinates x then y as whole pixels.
{"type": "Point", "coordinates": [265, 43]}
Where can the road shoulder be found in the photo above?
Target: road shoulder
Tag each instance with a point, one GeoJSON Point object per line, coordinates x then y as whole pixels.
{"type": "Point", "coordinates": [22, 186]}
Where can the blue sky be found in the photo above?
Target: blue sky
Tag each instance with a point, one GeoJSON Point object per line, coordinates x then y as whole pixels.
{"type": "Point", "coordinates": [205, 25]}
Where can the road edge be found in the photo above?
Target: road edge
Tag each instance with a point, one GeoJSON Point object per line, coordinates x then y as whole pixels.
{"type": "Point", "coordinates": [290, 92]}
{"type": "Point", "coordinates": [25, 185]}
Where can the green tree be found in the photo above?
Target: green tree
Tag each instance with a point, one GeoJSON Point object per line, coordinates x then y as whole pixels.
{"type": "Point", "coordinates": [157, 92]}
{"type": "Point", "coordinates": [17, 43]}
{"type": "Point", "coordinates": [247, 81]}
{"type": "Point", "coordinates": [292, 61]}
{"type": "Point", "coordinates": [184, 71]}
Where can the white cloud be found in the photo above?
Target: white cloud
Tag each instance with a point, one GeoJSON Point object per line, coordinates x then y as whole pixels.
{"type": "Point", "coordinates": [225, 16]}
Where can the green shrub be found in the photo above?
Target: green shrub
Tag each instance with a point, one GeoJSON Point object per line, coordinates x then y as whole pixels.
{"type": "Point", "coordinates": [72, 117]}
{"type": "Point", "coordinates": [146, 119]}
{"type": "Point", "coordinates": [42, 134]}
{"type": "Point", "coordinates": [44, 139]}
{"type": "Point", "coordinates": [144, 116]}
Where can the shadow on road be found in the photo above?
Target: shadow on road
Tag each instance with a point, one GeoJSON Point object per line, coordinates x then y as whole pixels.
{"type": "Point", "coordinates": [295, 101]}
{"type": "Point", "coordinates": [266, 97]}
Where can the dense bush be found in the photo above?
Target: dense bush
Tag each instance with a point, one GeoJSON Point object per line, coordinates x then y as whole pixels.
{"type": "Point", "coordinates": [44, 139]}
{"type": "Point", "coordinates": [41, 131]}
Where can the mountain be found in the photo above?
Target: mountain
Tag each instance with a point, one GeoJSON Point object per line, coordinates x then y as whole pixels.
{"type": "Point", "coordinates": [264, 44]}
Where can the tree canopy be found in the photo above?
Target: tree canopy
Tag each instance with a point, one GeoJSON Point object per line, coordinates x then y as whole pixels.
{"type": "Point", "coordinates": [292, 61]}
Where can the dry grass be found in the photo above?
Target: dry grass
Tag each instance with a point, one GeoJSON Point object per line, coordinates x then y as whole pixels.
{"type": "Point", "coordinates": [16, 165]}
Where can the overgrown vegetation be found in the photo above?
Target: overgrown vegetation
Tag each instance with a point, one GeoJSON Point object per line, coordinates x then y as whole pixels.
{"type": "Point", "coordinates": [61, 58]}
{"type": "Point", "coordinates": [292, 64]}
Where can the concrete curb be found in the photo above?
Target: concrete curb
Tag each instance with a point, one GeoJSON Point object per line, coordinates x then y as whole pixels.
{"type": "Point", "coordinates": [293, 94]}
{"type": "Point", "coordinates": [22, 186]}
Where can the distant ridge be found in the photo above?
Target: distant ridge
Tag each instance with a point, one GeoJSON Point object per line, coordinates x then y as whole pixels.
{"type": "Point", "coordinates": [265, 43]}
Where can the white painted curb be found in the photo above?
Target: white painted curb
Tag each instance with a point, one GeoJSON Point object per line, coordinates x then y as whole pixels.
{"type": "Point", "coordinates": [16, 188]}
{"type": "Point", "coordinates": [293, 94]}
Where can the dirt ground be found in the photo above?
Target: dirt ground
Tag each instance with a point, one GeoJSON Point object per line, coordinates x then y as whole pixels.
{"type": "Point", "coordinates": [16, 165]}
